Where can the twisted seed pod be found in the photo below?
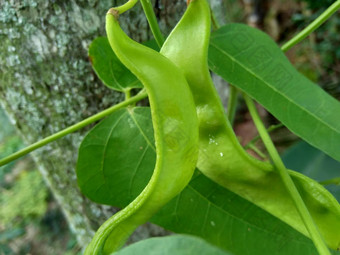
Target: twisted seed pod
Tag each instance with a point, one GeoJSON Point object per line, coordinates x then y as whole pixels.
{"type": "Point", "coordinates": [221, 157]}
{"type": "Point", "coordinates": [176, 136]}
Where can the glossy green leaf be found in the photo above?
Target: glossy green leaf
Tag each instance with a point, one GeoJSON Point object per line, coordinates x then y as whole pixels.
{"type": "Point", "coordinates": [315, 164]}
{"type": "Point", "coordinates": [172, 245]}
{"type": "Point", "coordinates": [112, 155]}
{"type": "Point", "coordinates": [109, 68]}
{"type": "Point", "coordinates": [119, 152]}
{"type": "Point", "coordinates": [226, 220]}
{"type": "Point", "coordinates": [251, 61]}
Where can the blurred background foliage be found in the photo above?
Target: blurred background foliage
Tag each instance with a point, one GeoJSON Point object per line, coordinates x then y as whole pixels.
{"type": "Point", "coordinates": [322, 49]}
{"type": "Point", "coordinates": [30, 219]}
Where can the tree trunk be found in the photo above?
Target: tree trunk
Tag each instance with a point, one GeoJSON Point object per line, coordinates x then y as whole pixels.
{"type": "Point", "coordinates": [47, 84]}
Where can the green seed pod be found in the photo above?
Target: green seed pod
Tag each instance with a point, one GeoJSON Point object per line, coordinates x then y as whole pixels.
{"type": "Point", "coordinates": [221, 157]}
{"type": "Point", "coordinates": [176, 136]}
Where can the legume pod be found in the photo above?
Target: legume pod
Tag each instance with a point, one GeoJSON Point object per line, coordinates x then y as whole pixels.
{"type": "Point", "coordinates": [221, 157]}
{"type": "Point", "coordinates": [176, 136]}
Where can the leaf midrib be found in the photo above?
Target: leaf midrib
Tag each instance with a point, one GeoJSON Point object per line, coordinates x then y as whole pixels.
{"type": "Point", "coordinates": [106, 145]}
{"type": "Point", "coordinates": [274, 89]}
{"type": "Point", "coordinates": [131, 112]}
{"type": "Point", "coordinates": [241, 219]}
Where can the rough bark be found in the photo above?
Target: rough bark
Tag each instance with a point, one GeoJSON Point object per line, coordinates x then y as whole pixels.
{"type": "Point", "coordinates": [46, 84]}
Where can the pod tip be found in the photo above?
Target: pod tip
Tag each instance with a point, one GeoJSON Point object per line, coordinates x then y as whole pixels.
{"type": "Point", "coordinates": [113, 12]}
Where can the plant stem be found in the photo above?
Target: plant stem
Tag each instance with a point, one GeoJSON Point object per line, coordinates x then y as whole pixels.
{"type": "Point", "coordinates": [312, 26]}
{"type": "Point", "coordinates": [232, 103]}
{"type": "Point", "coordinates": [288, 182]}
{"type": "Point", "coordinates": [152, 20]}
{"type": "Point", "coordinates": [71, 129]}
{"type": "Point", "coordinates": [214, 21]}
{"type": "Point", "coordinates": [270, 129]}
{"type": "Point", "coordinates": [257, 151]}
{"type": "Point", "coordinates": [127, 93]}
{"type": "Point", "coordinates": [335, 181]}
{"type": "Point", "coordinates": [125, 7]}
{"type": "Point", "coordinates": [300, 205]}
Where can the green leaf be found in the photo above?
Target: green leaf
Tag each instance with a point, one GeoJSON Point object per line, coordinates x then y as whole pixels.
{"type": "Point", "coordinates": [115, 151]}
{"type": "Point", "coordinates": [109, 68]}
{"type": "Point", "coordinates": [172, 245]}
{"type": "Point", "coordinates": [315, 164]}
{"type": "Point", "coordinates": [251, 61]}
{"type": "Point", "coordinates": [221, 217]}
{"type": "Point", "coordinates": [119, 152]}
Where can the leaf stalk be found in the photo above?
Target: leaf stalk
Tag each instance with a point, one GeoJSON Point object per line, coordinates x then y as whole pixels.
{"type": "Point", "coordinates": [312, 26]}
{"type": "Point", "coordinates": [286, 179]}
{"type": "Point", "coordinates": [72, 128]}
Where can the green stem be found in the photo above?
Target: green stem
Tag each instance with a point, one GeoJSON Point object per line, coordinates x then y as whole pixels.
{"type": "Point", "coordinates": [71, 129]}
{"type": "Point", "coordinates": [257, 151]}
{"type": "Point", "coordinates": [335, 181]}
{"type": "Point", "coordinates": [256, 138]}
{"type": "Point", "coordinates": [300, 205]}
{"type": "Point", "coordinates": [151, 17]}
{"type": "Point", "coordinates": [288, 182]}
{"type": "Point", "coordinates": [125, 7]}
{"type": "Point", "coordinates": [232, 103]}
{"type": "Point", "coordinates": [214, 20]}
{"type": "Point", "coordinates": [127, 93]}
{"type": "Point", "coordinates": [312, 26]}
